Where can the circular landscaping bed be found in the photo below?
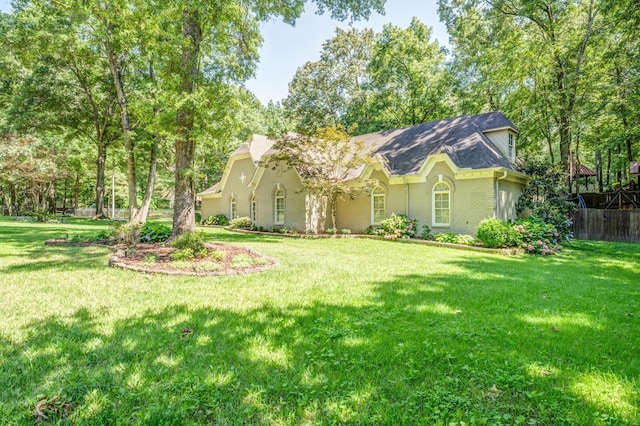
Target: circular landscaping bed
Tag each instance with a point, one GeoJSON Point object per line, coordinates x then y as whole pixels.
{"type": "Point", "coordinates": [160, 258]}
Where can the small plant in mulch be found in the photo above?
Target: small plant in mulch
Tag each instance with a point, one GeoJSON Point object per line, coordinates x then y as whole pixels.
{"type": "Point", "coordinates": [51, 409]}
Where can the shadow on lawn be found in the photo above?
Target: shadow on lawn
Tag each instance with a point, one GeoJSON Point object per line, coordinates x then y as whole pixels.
{"type": "Point", "coordinates": [424, 349]}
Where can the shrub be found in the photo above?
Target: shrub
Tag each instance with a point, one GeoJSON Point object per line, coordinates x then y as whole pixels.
{"type": "Point", "coordinates": [538, 237]}
{"type": "Point", "coordinates": [445, 237]}
{"type": "Point", "coordinates": [464, 239]}
{"type": "Point", "coordinates": [240, 222]}
{"type": "Point", "coordinates": [219, 219]}
{"type": "Point", "coordinates": [154, 232]}
{"type": "Point", "coordinates": [183, 254]}
{"type": "Point", "coordinates": [426, 233]}
{"type": "Point", "coordinates": [345, 231]}
{"type": "Point", "coordinates": [283, 230]}
{"type": "Point", "coordinates": [399, 225]}
{"type": "Point", "coordinates": [496, 233]}
{"type": "Point", "coordinates": [198, 217]}
{"type": "Point", "coordinates": [332, 231]}
{"type": "Point", "coordinates": [190, 241]}
{"type": "Point", "coordinates": [128, 234]}
{"type": "Point", "coordinates": [546, 196]}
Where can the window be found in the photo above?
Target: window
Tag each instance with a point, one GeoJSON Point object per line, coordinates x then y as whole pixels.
{"type": "Point", "coordinates": [378, 208]}
{"type": "Point", "coordinates": [279, 207]}
{"type": "Point", "coordinates": [441, 204]}
{"type": "Point", "coordinates": [252, 209]}
{"type": "Point", "coordinates": [511, 145]}
{"type": "Point", "coordinates": [232, 207]}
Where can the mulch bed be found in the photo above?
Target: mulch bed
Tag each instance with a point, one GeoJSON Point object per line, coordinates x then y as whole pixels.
{"type": "Point", "coordinates": [155, 258]}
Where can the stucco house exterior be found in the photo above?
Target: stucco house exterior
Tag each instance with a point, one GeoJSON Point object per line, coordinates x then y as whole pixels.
{"type": "Point", "coordinates": [448, 174]}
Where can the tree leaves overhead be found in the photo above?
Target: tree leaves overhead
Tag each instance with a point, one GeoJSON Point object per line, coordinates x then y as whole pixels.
{"type": "Point", "coordinates": [565, 71]}
{"type": "Point", "coordinates": [372, 81]}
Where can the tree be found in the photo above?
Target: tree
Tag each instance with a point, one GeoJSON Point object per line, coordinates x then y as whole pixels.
{"type": "Point", "coordinates": [408, 77]}
{"type": "Point", "coordinates": [535, 52]}
{"type": "Point", "coordinates": [325, 162]}
{"type": "Point", "coordinates": [210, 34]}
{"type": "Point", "coordinates": [333, 89]}
{"type": "Point", "coordinates": [65, 82]}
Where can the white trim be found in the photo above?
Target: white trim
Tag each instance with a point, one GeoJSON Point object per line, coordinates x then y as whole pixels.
{"type": "Point", "coordinates": [233, 206]}
{"type": "Point", "coordinates": [382, 194]}
{"type": "Point", "coordinates": [276, 197]}
{"type": "Point", "coordinates": [435, 192]}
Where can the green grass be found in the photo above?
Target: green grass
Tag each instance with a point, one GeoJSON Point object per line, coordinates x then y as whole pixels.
{"type": "Point", "coordinates": [345, 331]}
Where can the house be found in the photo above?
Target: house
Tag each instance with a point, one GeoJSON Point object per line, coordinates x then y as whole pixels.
{"type": "Point", "coordinates": [448, 174]}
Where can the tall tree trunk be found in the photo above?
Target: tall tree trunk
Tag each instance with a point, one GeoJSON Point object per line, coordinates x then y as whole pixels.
{"type": "Point", "coordinates": [608, 180]}
{"type": "Point", "coordinates": [184, 201]}
{"type": "Point", "coordinates": [76, 193]}
{"type": "Point", "coordinates": [13, 203]}
{"type": "Point", "coordinates": [143, 212]}
{"type": "Point", "coordinates": [599, 170]}
{"type": "Point", "coordinates": [116, 73]}
{"type": "Point", "coordinates": [100, 163]}
{"type": "Point", "coordinates": [618, 170]}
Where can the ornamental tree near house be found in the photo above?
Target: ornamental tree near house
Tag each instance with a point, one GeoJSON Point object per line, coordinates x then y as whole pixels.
{"type": "Point", "coordinates": [327, 162]}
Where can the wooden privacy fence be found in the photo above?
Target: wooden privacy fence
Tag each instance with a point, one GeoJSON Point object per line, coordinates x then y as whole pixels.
{"type": "Point", "coordinates": [607, 225]}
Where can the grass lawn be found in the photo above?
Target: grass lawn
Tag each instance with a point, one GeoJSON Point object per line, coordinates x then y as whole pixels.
{"type": "Point", "coordinates": [345, 331]}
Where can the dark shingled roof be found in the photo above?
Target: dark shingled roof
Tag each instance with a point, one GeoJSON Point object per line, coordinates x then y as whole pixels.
{"type": "Point", "coordinates": [462, 138]}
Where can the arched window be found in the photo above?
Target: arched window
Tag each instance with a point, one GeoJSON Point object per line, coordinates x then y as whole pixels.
{"type": "Point", "coordinates": [378, 204]}
{"type": "Point", "coordinates": [252, 208]}
{"type": "Point", "coordinates": [441, 204]}
{"type": "Point", "coordinates": [232, 207]}
{"type": "Point", "coordinates": [278, 204]}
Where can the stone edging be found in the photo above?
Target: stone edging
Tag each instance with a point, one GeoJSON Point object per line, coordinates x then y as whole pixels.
{"type": "Point", "coordinates": [114, 261]}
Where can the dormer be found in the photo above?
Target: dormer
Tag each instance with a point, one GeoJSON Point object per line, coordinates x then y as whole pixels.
{"type": "Point", "coordinates": [505, 140]}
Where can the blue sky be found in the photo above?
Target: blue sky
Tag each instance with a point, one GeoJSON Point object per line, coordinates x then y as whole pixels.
{"type": "Point", "coordinates": [286, 48]}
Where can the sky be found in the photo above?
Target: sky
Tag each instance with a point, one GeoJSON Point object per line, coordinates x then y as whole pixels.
{"type": "Point", "coordinates": [285, 48]}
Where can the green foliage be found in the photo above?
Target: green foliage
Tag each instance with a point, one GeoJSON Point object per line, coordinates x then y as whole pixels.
{"type": "Point", "coordinates": [464, 239]}
{"type": "Point", "coordinates": [538, 237]}
{"type": "Point", "coordinates": [127, 234]}
{"type": "Point", "coordinates": [546, 197]}
{"type": "Point", "coordinates": [240, 222]}
{"type": "Point", "coordinates": [219, 219]}
{"type": "Point", "coordinates": [496, 233]}
{"type": "Point", "coordinates": [216, 255]}
{"type": "Point", "coordinates": [426, 233]}
{"type": "Point", "coordinates": [345, 231]}
{"type": "Point", "coordinates": [398, 225]}
{"type": "Point", "coordinates": [331, 231]}
{"type": "Point", "coordinates": [450, 237]}
{"type": "Point", "coordinates": [192, 242]}
{"type": "Point", "coordinates": [183, 254]}
{"type": "Point", "coordinates": [445, 237]}
{"type": "Point", "coordinates": [154, 232]}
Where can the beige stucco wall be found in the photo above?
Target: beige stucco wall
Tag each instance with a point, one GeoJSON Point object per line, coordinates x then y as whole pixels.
{"type": "Point", "coordinates": [355, 214]}
{"type": "Point", "coordinates": [294, 200]}
{"type": "Point", "coordinates": [233, 185]}
{"type": "Point", "coordinates": [508, 194]}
